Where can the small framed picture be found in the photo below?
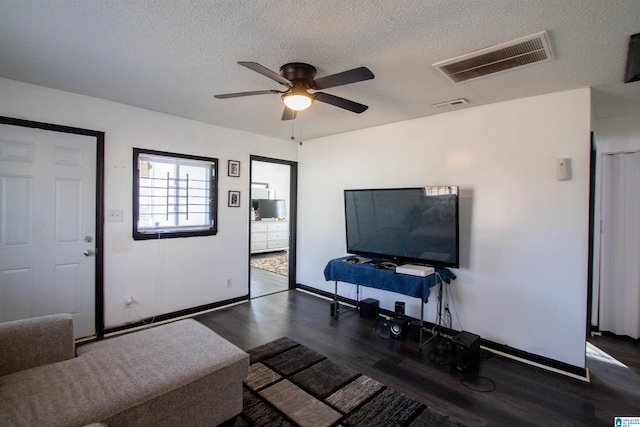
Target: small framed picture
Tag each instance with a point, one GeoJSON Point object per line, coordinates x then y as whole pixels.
{"type": "Point", "coordinates": [234, 168]}
{"type": "Point", "coordinates": [234, 199]}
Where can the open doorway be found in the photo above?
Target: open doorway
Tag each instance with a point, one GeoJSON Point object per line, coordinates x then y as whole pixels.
{"type": "Point", "coordinates": [273, 208]}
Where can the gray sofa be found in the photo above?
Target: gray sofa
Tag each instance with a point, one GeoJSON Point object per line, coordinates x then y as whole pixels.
{"type": "Point", "coordinates": [180, 373]}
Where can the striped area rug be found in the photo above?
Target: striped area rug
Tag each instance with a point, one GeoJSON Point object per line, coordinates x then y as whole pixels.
{"type": "Point", "coordinates": [292, 385]}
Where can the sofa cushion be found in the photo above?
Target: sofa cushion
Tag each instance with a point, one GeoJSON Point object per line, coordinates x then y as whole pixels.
{"type": "Point", "coordinates": [36, 341]}
{"type": "Point", "coordinates": [112, 376]}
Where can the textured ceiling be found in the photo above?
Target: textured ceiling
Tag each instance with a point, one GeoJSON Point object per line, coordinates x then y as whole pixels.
{"type": "Point", "coordinates": [172, 56]}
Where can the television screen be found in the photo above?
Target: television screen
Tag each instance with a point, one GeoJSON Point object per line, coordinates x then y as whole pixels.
{"type": "Point", "coordinates": [272, 208]}
{"type": "Point", "coordinates": [404, 225]}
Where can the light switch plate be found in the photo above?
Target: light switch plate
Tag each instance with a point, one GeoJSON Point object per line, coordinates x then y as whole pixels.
{"type": "Point", "coordinates": [114, 215]}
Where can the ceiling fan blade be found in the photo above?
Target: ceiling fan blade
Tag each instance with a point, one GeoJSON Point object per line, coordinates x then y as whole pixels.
{"type": "Point", "coordinates": [344, 78]}
{"type": "Point", "coordinates": [266, 72]}
{"type": "Point", "coordinates": [288, 114]}
{"type": "Point", "coordinates": [238, 94]}
{"type": "Point", "coordinates": [340, 102]}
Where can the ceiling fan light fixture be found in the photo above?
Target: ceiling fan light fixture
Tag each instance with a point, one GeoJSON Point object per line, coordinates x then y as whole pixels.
{"type": "Point", "coordinates": [299, 78]}
{"type": "Point", "coordinates": [297, 101]}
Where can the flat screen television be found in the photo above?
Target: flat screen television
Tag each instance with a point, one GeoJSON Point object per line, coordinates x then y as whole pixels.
{"type": "Point", "coordinates": [271, 208]}
{"type": "Point", "coordinates": [404, 225]}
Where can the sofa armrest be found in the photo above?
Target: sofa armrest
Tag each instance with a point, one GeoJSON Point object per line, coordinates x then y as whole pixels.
{"type": "Point", "coordinates": [37, 341]}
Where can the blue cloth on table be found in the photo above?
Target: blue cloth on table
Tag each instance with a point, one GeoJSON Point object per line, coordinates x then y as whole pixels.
{"type": "Point", "coordinates": [367, 275]}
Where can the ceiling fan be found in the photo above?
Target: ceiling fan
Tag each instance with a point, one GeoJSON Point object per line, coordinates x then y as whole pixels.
{"type": "Point", "coordinates": [298, 78]}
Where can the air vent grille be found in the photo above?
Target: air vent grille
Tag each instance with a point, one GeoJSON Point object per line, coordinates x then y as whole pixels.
{"type": "Point", "coordinates": [452, 103]}
{"type": "Point", "coordinates": [506, 56]}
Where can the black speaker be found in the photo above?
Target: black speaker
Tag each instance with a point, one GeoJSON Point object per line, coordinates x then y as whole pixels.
{"type": "Point", "coordinates": [399, 314]}
{"type": "Point", "coordinates": [465, 352]}
{"type": "Point", "coordinates": [398, 328]}
{"type": "Point", "coordinates": [413, 330]}
{"type": "Point", "coordinates": [369, 308]}
{"type": "Point", "coordinates": [632, 71]}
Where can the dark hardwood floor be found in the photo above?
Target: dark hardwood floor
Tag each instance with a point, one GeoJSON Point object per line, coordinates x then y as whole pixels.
{"type": "Point", "coordinates": [265, 282]}
{"type": "Point", "coordinates": [523, 395]}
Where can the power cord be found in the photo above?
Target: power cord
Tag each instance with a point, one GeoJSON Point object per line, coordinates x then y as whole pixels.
{"type": "Point", "coordinates": [490, 384]}
{"type": "Point", "coordinates": [160, 256]}
{"type": "Point", "coordinates": [449, 295]}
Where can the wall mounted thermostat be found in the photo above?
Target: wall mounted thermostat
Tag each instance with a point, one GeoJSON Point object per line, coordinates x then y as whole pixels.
{"type": "Point", "coordinates": [563, 169]}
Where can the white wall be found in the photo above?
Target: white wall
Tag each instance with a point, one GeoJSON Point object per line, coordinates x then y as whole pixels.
{"type": "Point", "coordinates": [174, 274]}
{"type": "Point", "coordinates": [612, 135]}
{"type": "Point", "coordinates": [524, 235]}
{"type": "Point", "coordinates": [617, 134]}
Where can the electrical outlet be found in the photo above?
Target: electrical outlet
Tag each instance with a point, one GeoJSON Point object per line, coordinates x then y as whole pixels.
{"type": "Point", "coordinates": [228, 283]}
{"type": "Point", "coordinates": [128, 300]}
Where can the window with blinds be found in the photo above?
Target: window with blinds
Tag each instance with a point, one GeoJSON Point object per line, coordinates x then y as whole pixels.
{"type": "Point", "coordinates": [174, 195]}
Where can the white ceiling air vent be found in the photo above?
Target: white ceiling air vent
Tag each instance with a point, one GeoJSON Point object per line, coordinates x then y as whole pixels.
{"type": "Point", "coordinates": [452, 103]}
{"type": "Point", "coordinates": [496, 59]}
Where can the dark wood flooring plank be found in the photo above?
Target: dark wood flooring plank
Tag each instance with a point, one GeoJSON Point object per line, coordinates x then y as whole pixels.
{"type": "Point", "coordinates": [265, 282]}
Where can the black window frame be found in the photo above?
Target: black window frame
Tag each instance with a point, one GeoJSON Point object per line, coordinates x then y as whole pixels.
{"type": "Point", "coordinates": [164, 233]}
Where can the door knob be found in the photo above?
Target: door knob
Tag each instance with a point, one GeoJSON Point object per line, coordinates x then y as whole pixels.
{"type": "Point", "coordinates": [89, 252]}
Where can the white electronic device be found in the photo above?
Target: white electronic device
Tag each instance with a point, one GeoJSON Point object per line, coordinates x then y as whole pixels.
{"type": "Point", "coordinates": [563, 169]}
{"type": "Point", "coordinates": [415, 270]}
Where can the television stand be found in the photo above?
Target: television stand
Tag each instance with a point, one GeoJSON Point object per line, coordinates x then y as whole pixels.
{"type": "Point", "coordinates": [337, 270]}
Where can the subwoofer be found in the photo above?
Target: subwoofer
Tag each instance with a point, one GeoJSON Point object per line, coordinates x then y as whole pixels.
{"type": "Point", "coordinates": [413, 330]}
{"type": "Point", "coordinates": [398, 328]}
{"type": "Point", "coordinates": [465, 352]}
{"type": "Point", "coordinates": [369, 308]}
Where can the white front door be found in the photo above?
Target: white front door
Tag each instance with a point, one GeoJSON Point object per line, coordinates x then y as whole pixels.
{"type": "Point", "coordinates": [47, 225]}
